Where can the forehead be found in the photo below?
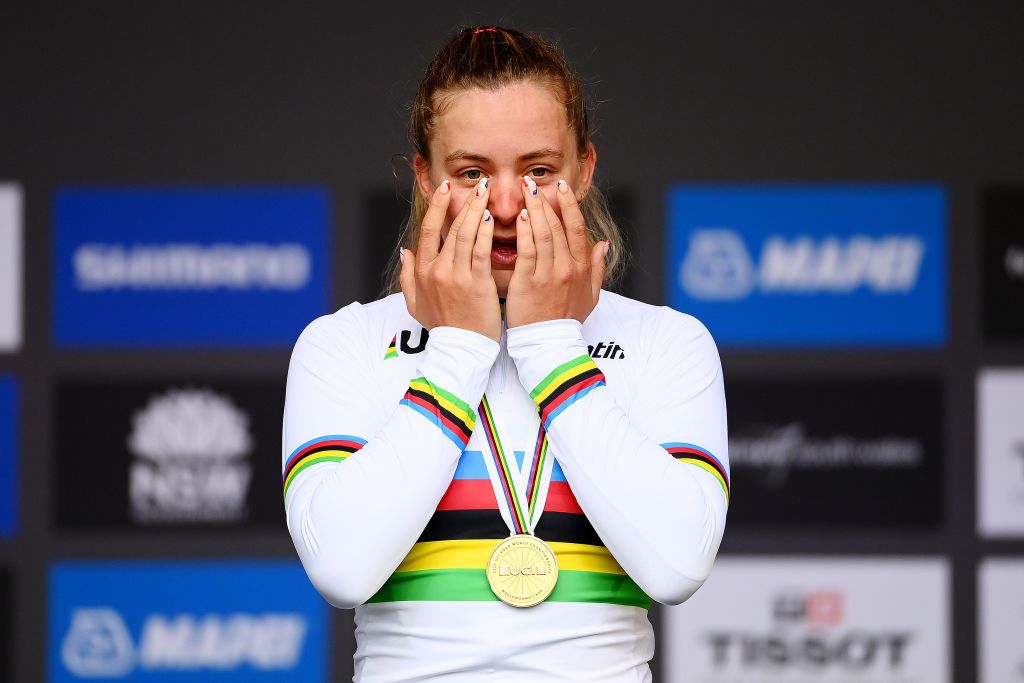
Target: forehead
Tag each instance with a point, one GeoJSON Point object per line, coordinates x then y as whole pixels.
{"type": "Point", "coordinates": [501, 123]}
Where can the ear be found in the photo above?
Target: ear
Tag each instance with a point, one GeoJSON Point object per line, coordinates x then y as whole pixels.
{"type": "Point", "coordinates": [587, 165]}
{"type": "Point", "coordinates": [422, 170]}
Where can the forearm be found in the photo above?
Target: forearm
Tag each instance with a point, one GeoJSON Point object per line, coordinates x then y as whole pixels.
{"type": "Point", "coordinates": [662, 520]}
{"type": "Point", "coordinates": [353, 520]}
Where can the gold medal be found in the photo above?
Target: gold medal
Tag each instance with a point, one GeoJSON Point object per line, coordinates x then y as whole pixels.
{"type": "Point", "coordinates": [522, 570]}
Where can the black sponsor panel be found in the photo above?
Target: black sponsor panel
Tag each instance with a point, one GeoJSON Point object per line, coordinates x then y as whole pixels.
{"type": "Point", "coordinates": [6, 624]}
{"type": "Point", "coordinates": [175, 454]}
{"type": "Point", "coordinates": [807, 454]}
{"type": "Point", "coordinates": [1002, 264]}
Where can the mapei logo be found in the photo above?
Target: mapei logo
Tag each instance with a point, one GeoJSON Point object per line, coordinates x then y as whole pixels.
{"type": "Point", "coordinates": [99, 645]}
{"type": "Point", "coordinates": [808, 265]}
{"type": "Point", "coordinates": [191, 447]}
{"type": "Point", "coordinates": [189, 266]}
{"type": "Point", "coordinates": [230, 621]}
{"type": "Point", "coordinates": [718, 265]}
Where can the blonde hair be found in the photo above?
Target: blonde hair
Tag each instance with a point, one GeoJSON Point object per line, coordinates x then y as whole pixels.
{"type": "Point", "coordinates": [490, 58]}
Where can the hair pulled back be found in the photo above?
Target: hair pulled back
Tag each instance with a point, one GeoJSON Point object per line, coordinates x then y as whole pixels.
{"type": "Point", "coordinates": [491, 58]}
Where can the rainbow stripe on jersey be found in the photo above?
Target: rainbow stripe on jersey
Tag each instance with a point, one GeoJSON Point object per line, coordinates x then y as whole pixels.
{"type": "Point", "coordinates": [449, 559]}
{"type": "Point", "coordinates": [695, 455]}
{"type": "Point", "coordinates": [453, 416]}
{"type": "Point", "coordinates": [565, 385]}
{"type": "Point", "coordinates": [333, 448]}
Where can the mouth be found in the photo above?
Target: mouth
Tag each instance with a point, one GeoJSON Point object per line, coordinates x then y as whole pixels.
{"type": "Point", "coordinates": [503, 253]}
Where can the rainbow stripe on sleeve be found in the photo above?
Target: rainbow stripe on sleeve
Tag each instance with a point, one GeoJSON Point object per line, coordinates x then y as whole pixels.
{"type": "Point", "coordinates": [453, 416]}
{"type": "Point", "coordinates": [392, 351]}
{"type": "Point", "coordinates": [565, 385]}
{"type": "Point", "coordinates": [334, 448]}
{"type": "Point", "coordinates": [695, 455]}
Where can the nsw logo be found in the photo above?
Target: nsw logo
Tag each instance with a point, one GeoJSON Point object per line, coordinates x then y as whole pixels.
{"type": "Point", "coordinates": [189, 267]}
{"type": "Point", "coordinates": [191, 448]}
{"type": "Point", "coordinates": [791, 265]}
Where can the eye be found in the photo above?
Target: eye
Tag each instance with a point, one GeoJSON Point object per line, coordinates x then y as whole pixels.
{"type": "Point", "coordinates": [539, 172]}
{"type": "Point", "coordinates": [473, 174]}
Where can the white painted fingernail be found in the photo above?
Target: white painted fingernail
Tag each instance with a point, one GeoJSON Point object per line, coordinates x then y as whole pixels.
{"type": "Point", "coordinates": [445, 186]}
{"type": "Point", "coordinates": [487, 216]}
{"type": "Point", "coordinates": [524, 214]}
{"type": "Point", "coordinates": [563, 186]}
{"type": "Point", "coordinates": [481, 187]}
{"type": "Point", "coordinates": [607, 246]}
{"type": "Point", "coordinates": [530, 185]}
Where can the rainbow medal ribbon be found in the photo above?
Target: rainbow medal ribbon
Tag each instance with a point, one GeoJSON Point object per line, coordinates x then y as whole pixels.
{"type": "Point", "coordinates": [522, 570]}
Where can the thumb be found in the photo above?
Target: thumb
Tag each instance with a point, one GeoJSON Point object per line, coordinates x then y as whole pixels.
{"type": "Point", "coordinates": [597, 266]}
{"type": "Point", "coordinates": [407, 278]}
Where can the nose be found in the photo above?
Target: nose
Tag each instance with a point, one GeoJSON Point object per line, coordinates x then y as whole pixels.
{"type": "Point", "coordinates": [506, 200]}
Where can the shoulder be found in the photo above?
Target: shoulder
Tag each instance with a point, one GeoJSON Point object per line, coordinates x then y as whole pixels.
{"type": "Point", "coordinates": [647, 325]}
{"type": "Point", "coordinates": [357, 325]}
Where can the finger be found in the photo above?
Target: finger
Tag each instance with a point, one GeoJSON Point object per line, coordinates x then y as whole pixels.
{"type": "Point", "coordinates": [575, 224]}
{"type": "Point", "coordinates": [433, 220]}
{"type": "Point", "coordinates": [407, 279]}
{"type": "Point", "coordinates": [598, 263]}
{"type": "Point", "coordinates": [469, 217]}
{"type": "Point", "coordinates": [482, 248]}
{"type": "Point", "coordinates": [542, 237]}
{"type": "Point", "coordinates": [561, 246]}
{"type": "Point", "coordinates": [526, 252]}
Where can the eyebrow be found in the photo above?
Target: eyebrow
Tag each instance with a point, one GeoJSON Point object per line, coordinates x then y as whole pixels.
{"type": "Point", "coordinates": [463, 155]}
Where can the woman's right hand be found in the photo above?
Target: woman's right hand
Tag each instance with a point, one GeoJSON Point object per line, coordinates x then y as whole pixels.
{"type": "Point", "coordinates": [452, 286]}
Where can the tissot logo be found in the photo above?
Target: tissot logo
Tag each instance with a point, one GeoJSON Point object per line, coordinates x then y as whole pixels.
{"type": "Point", "coordinates": [813, 619]}
{"type": "Point", "coordinates": [176, 453]}
{"type": "Point", "coordinates": [807, 451]}
{"type": "Point", "coordinates": [118, 622]}
{"type": "Point", "coordinates": [815, 264]}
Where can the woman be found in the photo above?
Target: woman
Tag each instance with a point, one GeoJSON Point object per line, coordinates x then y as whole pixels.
{"type": "Point", "coordinates": [501, 490]}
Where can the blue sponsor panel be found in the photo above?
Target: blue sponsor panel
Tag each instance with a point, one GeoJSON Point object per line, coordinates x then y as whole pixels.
{"type": "Point", "coordinates": [225, 621]}
{"type": "Point", "coordinates": [189, 267]}
{"type": "Point", "coordinates": [8, 455]}
{"type": "Point", "coordinates": [811, 265]}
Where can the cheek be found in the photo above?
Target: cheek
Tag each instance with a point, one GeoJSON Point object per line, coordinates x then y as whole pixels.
{"type": "Point", "coordinates": [459, 199]}
{"type": "Point", "coordinates": [550, 193]}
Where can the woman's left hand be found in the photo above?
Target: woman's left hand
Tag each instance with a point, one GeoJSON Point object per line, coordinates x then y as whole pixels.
{"type": "Point", "coordinates": [557, 274]}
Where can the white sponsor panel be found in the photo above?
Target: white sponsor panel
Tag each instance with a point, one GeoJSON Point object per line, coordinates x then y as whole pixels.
{"type": "Point", "coordinates": [191, 448]}
{"type": "Point", "coordinates": [10, 267]}
{"type": "Point", "coordinates": [719, 266]}
{"type": "Point", "coordinates": [827, 620]}
{"type": "Point", "coordinates": [1001, 620]}
{"type": "Point", "coordinates": [98, 643]}
{"type": "Point", "coordinates": [1001, 452]}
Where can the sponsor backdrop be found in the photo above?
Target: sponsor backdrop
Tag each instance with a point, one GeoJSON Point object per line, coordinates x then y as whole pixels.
{"type": "Point", "coordinates": [219, 623]}
{"type": "Point", "coordinates": [183, 188]}
{"type": "Point", "coordinates": [10, 267]}
{"type": "Point", "coordinates": [808, 619]}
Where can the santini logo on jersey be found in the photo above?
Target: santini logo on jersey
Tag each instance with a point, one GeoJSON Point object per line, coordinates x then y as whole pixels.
{"type": "Point", "coordinates": [718, 265]}
{"type": "Point", "coordinates": [98, 643]}
{"type": "Point", "coordinates": [609, 350]}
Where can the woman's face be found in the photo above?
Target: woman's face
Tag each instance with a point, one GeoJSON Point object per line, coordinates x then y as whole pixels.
{"type": "Point", "coordinates": [503, 134]}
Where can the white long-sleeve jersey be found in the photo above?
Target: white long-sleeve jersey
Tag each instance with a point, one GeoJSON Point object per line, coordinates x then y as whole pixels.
{"type": "Point", "coordinates": [391, 509]}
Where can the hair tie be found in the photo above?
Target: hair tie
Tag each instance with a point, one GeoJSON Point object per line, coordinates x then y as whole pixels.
{"type": "Point", "coordinates": [490, 29]}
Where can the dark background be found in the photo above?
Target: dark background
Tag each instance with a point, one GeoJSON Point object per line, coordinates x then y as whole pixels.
{"type": "Point", "coordinates": [237, 93]}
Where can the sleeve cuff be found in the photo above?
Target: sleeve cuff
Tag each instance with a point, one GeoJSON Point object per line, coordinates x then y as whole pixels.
{"type": "Point", "coordinates": [553, 364]}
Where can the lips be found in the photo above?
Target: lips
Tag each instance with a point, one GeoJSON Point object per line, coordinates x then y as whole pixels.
{"type": "Point", "coordinates": [503, 252]}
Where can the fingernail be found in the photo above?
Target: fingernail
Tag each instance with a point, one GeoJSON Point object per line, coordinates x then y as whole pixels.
{"type": "Point", "coordinates": [530, 184]}
{"type": "Point", "coordinates": [487, 216]}
{"type": "Point", "coordinates": [563, 186]}
{"type": "Point", "coordinates": [607, 246]}
{"type": "Point", "coordinates": [481, 186]}
{"type": "Point", "coordinates": [524, 214]}
{"type": "Point", "coordinates": [445, 186]}
{"type": "Point", "coordinates": [401, 254]}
